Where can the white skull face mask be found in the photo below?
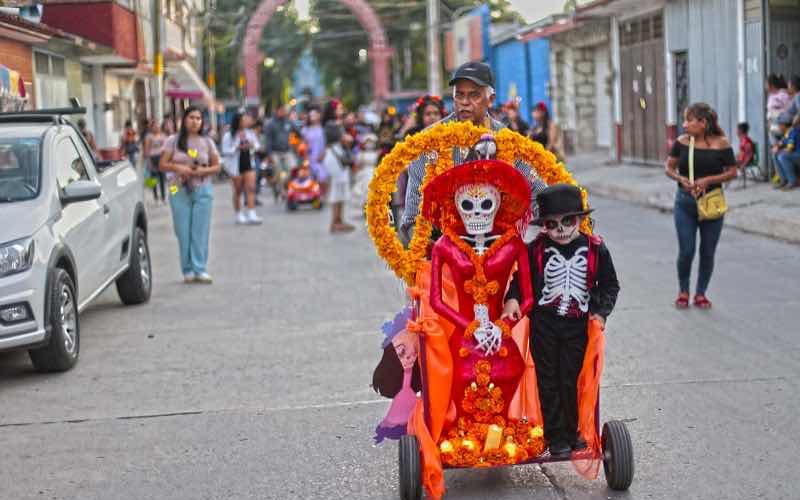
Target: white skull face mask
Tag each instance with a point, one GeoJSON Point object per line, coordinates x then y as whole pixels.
{"type": "Point", "coordinates": [563, 229]}
{"type": "Point", "coordinates": [478, 204]}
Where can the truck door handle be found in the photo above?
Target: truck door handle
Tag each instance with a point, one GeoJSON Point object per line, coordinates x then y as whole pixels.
{"type": "Point", "coordinates": [106, 209]}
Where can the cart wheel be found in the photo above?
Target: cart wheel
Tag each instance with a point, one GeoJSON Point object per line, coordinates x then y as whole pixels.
{"type": "Point", "coordinates": [410, 469]}
{"type": "Point", "coordinates": [617, 455]}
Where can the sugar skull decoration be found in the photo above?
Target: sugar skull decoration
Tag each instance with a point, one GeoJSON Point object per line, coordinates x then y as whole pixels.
{"type": "Point", "coordinates": [477, 204]}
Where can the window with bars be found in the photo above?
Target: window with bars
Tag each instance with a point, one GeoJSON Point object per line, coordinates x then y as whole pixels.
{"type": "Point", "coordinates": [641, 30]}
{"type": "Point", "coordinates": [51, 80]}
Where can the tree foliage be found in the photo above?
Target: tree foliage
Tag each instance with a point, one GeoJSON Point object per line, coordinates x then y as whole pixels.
{"type": "Point", "coordinates": [336, 38]}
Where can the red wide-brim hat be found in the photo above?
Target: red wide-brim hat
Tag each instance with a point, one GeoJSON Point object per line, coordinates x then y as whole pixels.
{"type": "Point", "coordinates": [438, 198]}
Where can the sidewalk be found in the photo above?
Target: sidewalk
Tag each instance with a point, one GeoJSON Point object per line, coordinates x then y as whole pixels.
{"type": "Point", "coordinates": [758, 209]}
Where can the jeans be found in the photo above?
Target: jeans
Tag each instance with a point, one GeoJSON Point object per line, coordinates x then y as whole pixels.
{"type": "Point", "coordinates": [787, 162]}
{"type": "Point", "coordinates": [686, 225]}
{"type": "Point", "coordinates": [191, 217]}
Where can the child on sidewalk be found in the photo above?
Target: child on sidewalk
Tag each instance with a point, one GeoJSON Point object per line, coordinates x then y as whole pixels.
{"type": "Point", "coordinates": [787, 156]}
{"type": "Point", "coordinates": [573, 280]}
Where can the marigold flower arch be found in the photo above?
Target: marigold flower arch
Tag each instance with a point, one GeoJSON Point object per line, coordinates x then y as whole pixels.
{"type": "Point", "coordinates": [437, 144]}
{"type": "Point", "coordinates": [379, 50]}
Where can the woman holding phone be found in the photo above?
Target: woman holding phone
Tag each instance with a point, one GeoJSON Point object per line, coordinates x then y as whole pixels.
{"type": "Point", "coordinates": [190, 160]}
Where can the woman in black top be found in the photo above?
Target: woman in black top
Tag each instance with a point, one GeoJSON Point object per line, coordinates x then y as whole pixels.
{"type": "Point", "coordinates": [714, 163]}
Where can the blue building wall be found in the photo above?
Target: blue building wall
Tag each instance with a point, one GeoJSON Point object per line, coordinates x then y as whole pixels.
{"type": "Point", "coordinates": [511, 72]}
{"type": "Point", "coordinates": [524, 66]}
{"type": "Point", "coordinates": [539, 70]}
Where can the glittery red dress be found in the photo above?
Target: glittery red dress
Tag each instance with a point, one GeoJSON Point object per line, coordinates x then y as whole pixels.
{"type": "Point", "coordinates": [498, 265]}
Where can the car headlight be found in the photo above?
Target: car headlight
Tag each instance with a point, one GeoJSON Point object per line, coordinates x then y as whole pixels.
{"type": "Point", "coordinates": [16, 256]}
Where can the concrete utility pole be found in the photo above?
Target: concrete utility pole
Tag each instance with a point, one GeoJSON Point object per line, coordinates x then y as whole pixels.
{"type": "Point", "coordinates": [434, 49]}
{"type": "Point", "coordinates": [158, 63]}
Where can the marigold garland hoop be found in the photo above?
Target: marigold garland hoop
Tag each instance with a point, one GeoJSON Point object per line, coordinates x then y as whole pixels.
{"type": "Point", "coordinates": [437, 144]}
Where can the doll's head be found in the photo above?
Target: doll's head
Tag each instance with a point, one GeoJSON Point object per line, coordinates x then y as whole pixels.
{"type": "Point", "coordinates": [406, 346]}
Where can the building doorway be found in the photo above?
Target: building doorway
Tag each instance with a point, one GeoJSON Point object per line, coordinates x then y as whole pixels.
{"type": "Point", "coordinates": [643, 96]}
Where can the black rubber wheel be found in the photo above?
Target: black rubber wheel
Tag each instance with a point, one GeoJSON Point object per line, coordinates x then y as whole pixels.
{"type": "Point", "coordinates": [135, 284]}
{"type": "Point", "coordinates": [617, 455]}
{"type": "Point", "coordinates": [291, 206]}
{"type": "Point", "coordinates": [410, 469]}
{"type": "Point", "coordinates": [64, 345]}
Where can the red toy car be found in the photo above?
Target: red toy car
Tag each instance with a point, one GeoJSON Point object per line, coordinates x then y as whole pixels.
{"type": "Point", "coordinates": [303, 189]}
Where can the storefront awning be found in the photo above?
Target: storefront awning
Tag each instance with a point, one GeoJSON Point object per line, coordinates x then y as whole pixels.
{"type": "Point", "coordinates": [183, 82]}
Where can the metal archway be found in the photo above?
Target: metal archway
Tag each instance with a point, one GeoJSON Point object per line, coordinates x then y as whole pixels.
{"type": "Point", "coordinates": [379, 50]}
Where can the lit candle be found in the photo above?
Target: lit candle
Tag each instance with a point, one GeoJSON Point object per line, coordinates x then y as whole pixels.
{"type": "Point", "coordinates": [510, 449]}
{"type": "Point", "coordinates": [494, 436]}
{"type": "Point", "coordinates": [468, 444]}
{"type": "Point", "coordinates": [446, 447]}
{"type": "Point", "coordinates": [537, 432]}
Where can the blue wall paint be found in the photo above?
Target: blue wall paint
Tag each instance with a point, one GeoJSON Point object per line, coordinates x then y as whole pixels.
{"type": "Point", "coordinates": [511, 71]}
{"type": "Point", "coordinates": [539, 61]}
{"type": "Point", "coordinates": [525, 66]}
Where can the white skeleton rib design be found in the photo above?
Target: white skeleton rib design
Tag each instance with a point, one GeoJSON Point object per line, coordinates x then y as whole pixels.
{"type": "Point", "coordinates": [566, 279]}
{"type": "Point", "coordinates": [488, 336]}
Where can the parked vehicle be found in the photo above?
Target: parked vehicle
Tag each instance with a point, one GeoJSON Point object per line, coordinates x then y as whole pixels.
{"type": "Point", "coordinates": [71, 226]}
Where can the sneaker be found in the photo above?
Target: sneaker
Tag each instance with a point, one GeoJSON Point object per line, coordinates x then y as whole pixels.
{"type": "Point", "coordinates": [204, 278]}
{"type": "Point", "coordinates": [253, 218]}
{"type": "Point", "coordinates": [241, 218]}
{"type": "Point", "coordinates": [579, 444]}
{"type": "Point", "coordinates": [188, 278]}
{"type": "Point", "coordinates": [560, 449]}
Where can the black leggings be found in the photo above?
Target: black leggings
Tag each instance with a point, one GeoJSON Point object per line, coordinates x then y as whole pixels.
{"type": "Point", "coordinates": [159, 176]}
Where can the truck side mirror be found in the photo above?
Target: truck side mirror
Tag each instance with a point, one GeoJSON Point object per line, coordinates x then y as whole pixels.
{"type": "Point", "coordinates": [82, 190]}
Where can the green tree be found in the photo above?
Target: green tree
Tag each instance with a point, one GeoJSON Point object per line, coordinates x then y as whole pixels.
{"type": "Point", "coordinates": [337, 41]}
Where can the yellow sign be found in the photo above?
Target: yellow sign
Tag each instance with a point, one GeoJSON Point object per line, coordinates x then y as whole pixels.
{"type": "Point", "coordinates": [158, 65]}
{"type": "Point", "coordinates": [242, 81]}
{"type": "Point", "coordinates": [212, 79]}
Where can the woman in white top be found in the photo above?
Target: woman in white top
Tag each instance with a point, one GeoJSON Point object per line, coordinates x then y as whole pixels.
{"type": "Point", "coordinates": [238, 148]}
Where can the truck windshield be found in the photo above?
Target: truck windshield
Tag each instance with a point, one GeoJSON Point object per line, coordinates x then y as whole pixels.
{"type": "Point", "coordinates": [19, 168]}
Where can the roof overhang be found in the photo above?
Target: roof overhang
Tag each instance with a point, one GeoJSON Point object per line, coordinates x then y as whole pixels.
{"type": "Point", "coordinates": [617, 8]}
{"type": "Point", "coordinates": [22, 33]}
{"type": "Point", "coordinates": [560, 26]}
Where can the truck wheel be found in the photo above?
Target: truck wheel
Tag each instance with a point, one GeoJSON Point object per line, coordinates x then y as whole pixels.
{"type": "Point", "coordinates": [135, 284]}
{"type": "Point", "coordinates": [62, 349]}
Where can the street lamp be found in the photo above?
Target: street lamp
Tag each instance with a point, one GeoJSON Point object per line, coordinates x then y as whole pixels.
{"type": "Point", "coordinates": [269, 62]}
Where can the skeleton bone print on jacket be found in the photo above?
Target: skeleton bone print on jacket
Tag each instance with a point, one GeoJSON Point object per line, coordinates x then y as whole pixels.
{"type": "Point", "coordinates": [561, 286]}
{"type": "Point", "coordinates": [565, 285]}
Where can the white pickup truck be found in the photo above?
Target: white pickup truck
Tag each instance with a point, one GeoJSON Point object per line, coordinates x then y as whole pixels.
{"type": "Point", "coordinates": [69, 227]}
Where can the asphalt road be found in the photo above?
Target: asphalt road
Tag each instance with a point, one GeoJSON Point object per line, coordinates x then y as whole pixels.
{"type": "Point", "coordinates": [257, 387]}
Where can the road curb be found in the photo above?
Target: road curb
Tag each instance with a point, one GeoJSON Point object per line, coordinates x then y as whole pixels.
{"type": "Point", "coordinates": [774, 221]}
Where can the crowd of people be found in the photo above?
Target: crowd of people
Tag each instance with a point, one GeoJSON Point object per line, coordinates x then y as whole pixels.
{"type": "Point", "coordinates": [783, 117]}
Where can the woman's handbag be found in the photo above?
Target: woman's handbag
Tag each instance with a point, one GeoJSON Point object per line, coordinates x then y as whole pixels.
{"type": "Point", "coordinates": [711, 205]}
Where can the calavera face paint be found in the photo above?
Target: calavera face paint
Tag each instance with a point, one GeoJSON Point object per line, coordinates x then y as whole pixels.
{"type": "Point", "coordinates": [478, 205]}
{"type": "Point", "coordinates": [562, 230]}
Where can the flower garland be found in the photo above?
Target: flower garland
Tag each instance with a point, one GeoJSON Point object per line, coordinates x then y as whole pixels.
{"type": "Point", "coordinates": [437, 145]}
{"type": "Point", "coordinates": [482, 437]}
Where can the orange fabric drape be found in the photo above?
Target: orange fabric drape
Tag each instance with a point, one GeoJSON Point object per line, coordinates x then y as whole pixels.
{"type": "Point", "coordinates": [526, 400]}
{"type": "Point", "coordinates": [588, 391]}
{"type": "Point", "coordinates": [432, 471]}
{"type": "Point", "coordinates": [438, 376]}
{"type": "Point", "coordinates": [438, 359]}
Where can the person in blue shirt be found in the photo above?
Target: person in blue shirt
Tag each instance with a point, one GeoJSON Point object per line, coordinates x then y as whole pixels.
{"type": "Point", "coordinates": [787, 157]}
